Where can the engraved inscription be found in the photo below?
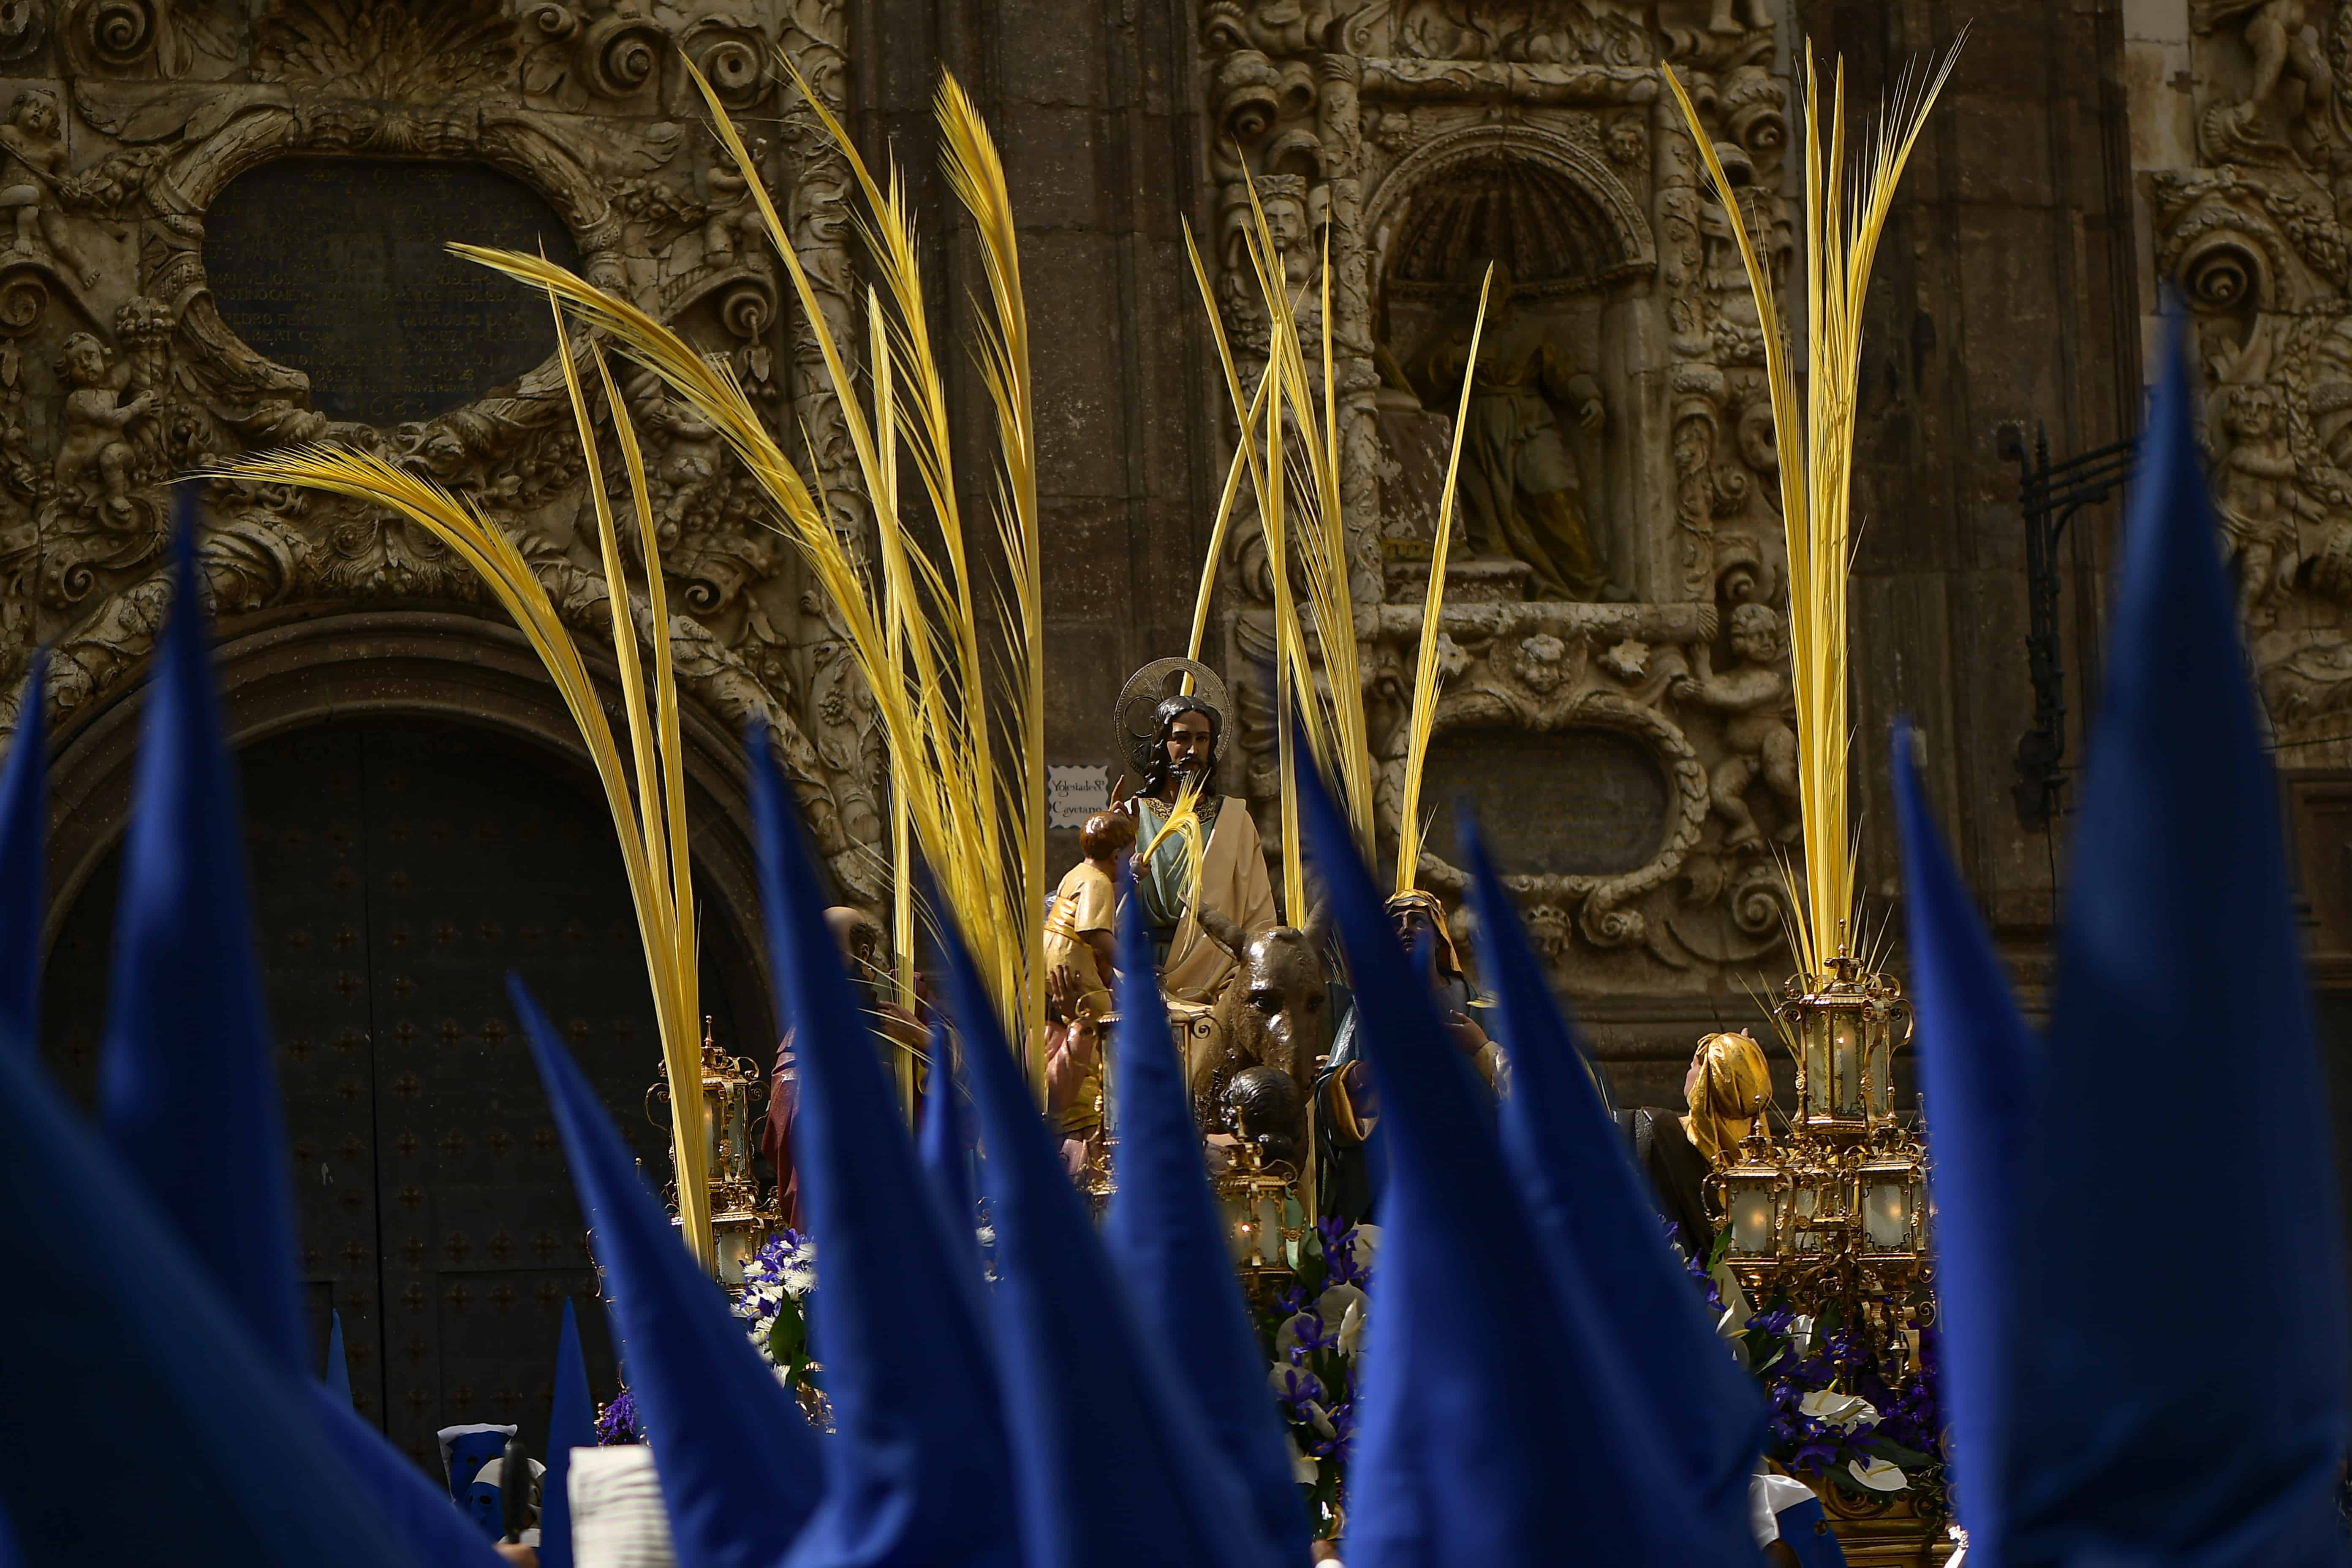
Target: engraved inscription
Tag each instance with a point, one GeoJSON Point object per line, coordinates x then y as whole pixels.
{"type": "Point", "coordinates": [337, 266]}
{"type": "Point", "coordinates": [1561, 803]}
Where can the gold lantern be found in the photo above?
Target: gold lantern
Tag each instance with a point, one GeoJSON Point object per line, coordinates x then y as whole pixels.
{"type": "Point", "coordinates": [1846, 1031]}
{"type": "Point", "coordinates": [729, 1084]}
{"type": "Point", "coordinates": [1755, 1194]}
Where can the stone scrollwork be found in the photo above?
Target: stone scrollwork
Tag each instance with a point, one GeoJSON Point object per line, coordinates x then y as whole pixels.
{"type": "Point", "coordinates": [119, 372]}
{"type": "Point", "coordinates": [2257, 234]}
{"type": "Point", "coordinates": [1615, 586]}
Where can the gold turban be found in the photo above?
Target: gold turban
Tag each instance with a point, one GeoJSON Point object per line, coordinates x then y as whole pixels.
{"type": "Point", "coordinates": [1729, 1088]}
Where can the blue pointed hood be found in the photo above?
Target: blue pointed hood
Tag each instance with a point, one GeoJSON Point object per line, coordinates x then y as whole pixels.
{"type": "Point", "coordinates": [169, 1420]}
{"type": "Point", "coordinates": [187, 1088]}
{"type": "Point", "coordinates": [1168, 1244]}
{"type": "Point", "coordinates": [2179, 976]}
{"type": "Point", "coordinates": [338, 1379]}
{"type": "Point", "coordinates": [1109, 1463]}
{"type": "Point", "coordinates": [1476, 1444]}
{"type": "Point", "coordinates": [570, 1424]}
{"type": "Point", "coordinates": [1592, 1211]}
{"type": "Point", "coordinates": [1979, 1067]}
{"type": "Point", "coordinates": [945, 1146]}
{"type": "Point", "coordinates": [24, 850]}
{"type": "Point", "coordinates": [739, 1466]}
{"type": "Point", "coordinates": [916, 1474]}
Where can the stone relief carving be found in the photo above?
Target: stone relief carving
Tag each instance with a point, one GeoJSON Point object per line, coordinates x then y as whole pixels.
{"type": "Point", "coordinates": [118, 372]}
{"type": "Point", "coordinates": [2257, 236]}
{"type": "Point", "coordinates": [1420, 140]}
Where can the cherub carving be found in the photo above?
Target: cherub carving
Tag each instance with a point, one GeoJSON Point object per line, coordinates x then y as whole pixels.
{"type": "Point", "coordinates": [732, 210]}
{"type": "Point", "coordinates": [95, 420]}
{"type": "Point", "coordinates": [32, 161]}
{"type": "Point", "coordinates": [2259, 500]}
{"type": "Point", "coordinates": [1734, 17]}
{"type": "Point", "coordinates": [1754, 698]}
{"type": "Point", "coordinates": [2283, 37]}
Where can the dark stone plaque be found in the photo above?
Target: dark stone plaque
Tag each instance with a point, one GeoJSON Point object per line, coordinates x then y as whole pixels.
{"type": "Point", "coordinates": [1564, 803]}
{"type": "Point", "coordinates": [336, 268]}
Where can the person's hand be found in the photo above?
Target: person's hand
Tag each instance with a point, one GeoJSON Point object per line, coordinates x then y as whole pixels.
{"type": "Point", "coordinates": [516, 1551]}
{"type": "Point", "coordinates": [1467, 1037]}
{"type": "Point", "coordinates": [1590, 415]}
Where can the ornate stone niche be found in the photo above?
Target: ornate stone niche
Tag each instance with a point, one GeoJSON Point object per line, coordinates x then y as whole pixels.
{"type": "Point", "coordinates": [1640, 672]}
{"type": "Point", "coordinates": [362, 125]}
{"type": "Point", "coordinates": [2250, 224]}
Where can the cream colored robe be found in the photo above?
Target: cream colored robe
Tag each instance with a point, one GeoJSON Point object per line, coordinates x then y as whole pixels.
{"type": "Point", "coordinates": [1233, 880]}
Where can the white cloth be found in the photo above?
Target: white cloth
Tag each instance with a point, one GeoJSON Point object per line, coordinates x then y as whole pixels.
{"type": "Point", "coordinates": [617, 1517]}
{"type": "Point", "coordinates": [1767, 1496]}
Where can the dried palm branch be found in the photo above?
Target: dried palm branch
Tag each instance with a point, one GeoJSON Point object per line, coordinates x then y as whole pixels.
{"type": "Point", "coordinates": [1424, 668]}
{"type": "Point", "coordinates": [972, 807]}
{"type": "Point", "coordinates": [1301, 476]}
{"type": "Point", "coordinates": [1183, 822]}
{"type": "Point", "coordinates": [652, 830]}
{"type": "Point", "coordinates": [1844, 214]}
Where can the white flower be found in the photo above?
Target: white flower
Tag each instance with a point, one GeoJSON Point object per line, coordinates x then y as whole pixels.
{"type": "Point", "coordinates": [1302, 1469]}
{"type": "Point", "coordinates": [1293, 1334]}
{"type": "Point", "coordinates": [1366, 1246]}
{"type": "Point", "coordinates": [1351, 1328]}
{"type": "Point", "coordinates": [1879, 1476]}
{"type": "Point", "coordinates": [1334, 1304]}
{"type": "Point", "coordinates": [1846, 1412]}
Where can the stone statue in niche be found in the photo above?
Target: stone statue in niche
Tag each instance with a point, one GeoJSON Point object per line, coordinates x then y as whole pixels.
{"type": "Point", "coordinates": [32, 161]}
{"type": "Point", "coordinates": [734, 214]}
{"type": "Point", "coordinates": [2259, 500]}
{"type": "Point", "coordinates": [2290, 74]}
{"type": "Point", "coordinates": [96, 424]}
{"type": "Point", "coordinates": [1753, 698]}
{"type": "Point", "coordinates": [1735, 18]}
{"type": "Point", "coordinates": [1521, 493]}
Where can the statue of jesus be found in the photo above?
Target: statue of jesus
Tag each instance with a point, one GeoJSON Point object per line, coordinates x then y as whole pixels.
{"type": "Point", "coordinates": [1192, 967]}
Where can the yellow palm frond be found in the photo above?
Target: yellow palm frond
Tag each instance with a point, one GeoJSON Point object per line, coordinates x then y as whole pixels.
{"type": "Point", "coordinates": [1424, 670]}
{"type": "Point", "coordinates": [1844, 214]}
{"type": "Point", "coordinates": [651, 829]}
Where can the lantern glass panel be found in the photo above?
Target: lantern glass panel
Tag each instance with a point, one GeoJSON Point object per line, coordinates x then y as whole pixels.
{"type": "Point", "coordinates": [1845, 1061]}
{"type": "Point", "coordinates": [1817, 1061]}
{"type": "Point", "coordinates": [1882, 1067]}
{"type": "Point", "coordinates": [1752, 1218]}
{"type": "Point", "coordinates": [738, 1125]}
{"type": "Point", "coordinates": [1886, 1212]}
{"type": "Point", "coordinates": [711, 1125]}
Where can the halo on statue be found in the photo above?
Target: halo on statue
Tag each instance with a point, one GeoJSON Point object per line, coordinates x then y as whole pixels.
{"type": "Point", "coordinates": [1134, 715]}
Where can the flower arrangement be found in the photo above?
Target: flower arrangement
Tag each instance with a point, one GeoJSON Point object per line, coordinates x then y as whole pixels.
{"type": "Point", "coordinates": [1311, 1330]}
{"type": "Point", "coordinates": [617, 1424]}
{"type": "Point", "coordinates": [1846, 1409]}
{"type": "Point", "coordinates": [773, 1305]}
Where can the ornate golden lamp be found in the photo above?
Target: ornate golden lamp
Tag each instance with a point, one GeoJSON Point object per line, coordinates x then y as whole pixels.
{"type": "Point", "coordinates": [1847, 1029]}
{"type": "Point", "coordinates": [737, 1224]}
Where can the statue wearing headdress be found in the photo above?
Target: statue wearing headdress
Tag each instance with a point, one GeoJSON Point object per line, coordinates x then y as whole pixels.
{"type": "Point", "coordinates": [1727, 1088]}
{"type": "Point", "coordinates": [1175, 752]}
{"type": "Point", "coordinates": [1347, 1110]}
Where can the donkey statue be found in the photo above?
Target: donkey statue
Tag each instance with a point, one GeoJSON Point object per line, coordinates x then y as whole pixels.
{"type": "Point", "coordinates": [1269, 1015]}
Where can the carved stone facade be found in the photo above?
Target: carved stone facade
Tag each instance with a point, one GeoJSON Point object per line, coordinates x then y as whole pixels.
{"type": "Point", "coordinates": [1618, 570]}
{"type": "Point", "coordinates": [119, 375]}
{"type": "Point", "coordinates": [2242, 118]}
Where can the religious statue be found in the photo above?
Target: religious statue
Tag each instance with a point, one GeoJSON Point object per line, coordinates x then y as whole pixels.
{"type": "Point", "coordinates": [95, 420]}
{"type": "Point", "coordinates": [1759, 741]}
{"type": "Point", "coordinates": [2259, 500]}
{"type": "Point", "coordinates": [32, 161]}
{"type": "Point", "coordinates": [1193, 965]}
{"type": "Point", "coordinates": [1733, 17]}
{"type": "Point", "coordinates": [2290, 66]}
{"type": "Point", "coordinates": [1521, 493]}
{"type": "Point", "coordinates": [1726, 1089]}
{"type": "Point", "coordinates": [1080, 942]}
{"type": "Point", "coordinates": [734, 211]}
{"type": "Point", "coordinates": [1347, 1105]}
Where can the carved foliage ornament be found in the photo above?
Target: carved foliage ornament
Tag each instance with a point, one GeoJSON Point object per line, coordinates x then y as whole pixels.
{"type": "Point", "coordinates": [118, 371]}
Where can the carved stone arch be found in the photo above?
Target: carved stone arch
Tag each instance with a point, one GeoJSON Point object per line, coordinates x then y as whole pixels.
{"type": "Point", "coordinates": [1598, 201]}
{"type": "Point", "coordinates": [297, 668]}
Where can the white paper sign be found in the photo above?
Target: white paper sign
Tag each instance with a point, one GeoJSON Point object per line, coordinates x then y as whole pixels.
{"type": "Point", "coordinates": [1072, 793]}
